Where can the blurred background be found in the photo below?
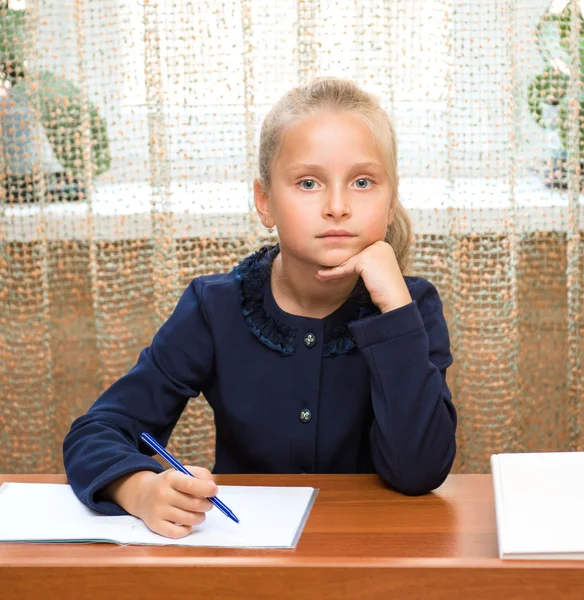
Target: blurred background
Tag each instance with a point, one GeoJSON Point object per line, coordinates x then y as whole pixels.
{"type": "Point", "coordinates": [128, 146]}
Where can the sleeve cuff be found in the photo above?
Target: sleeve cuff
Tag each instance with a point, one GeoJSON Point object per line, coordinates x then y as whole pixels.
{"type": "Point", "coordinates": [131, 464]}
{"type": "Point", "coordinates": [387, 326]}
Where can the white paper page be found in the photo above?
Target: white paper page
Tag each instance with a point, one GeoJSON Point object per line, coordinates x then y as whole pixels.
{"type": "Point", "coordinates": [542, 495]}
{"type": "Point", "coordinates": [270, 517]}
{"type": "Point", "coordinates": [46, 512]}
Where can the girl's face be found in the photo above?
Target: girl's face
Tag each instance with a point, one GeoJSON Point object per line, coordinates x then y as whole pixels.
{"type": "Point", "coordinates": [330, 195]}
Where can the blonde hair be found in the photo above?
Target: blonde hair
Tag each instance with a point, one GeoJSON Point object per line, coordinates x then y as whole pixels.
{"type": "Point", "coordinates": [342, 95]}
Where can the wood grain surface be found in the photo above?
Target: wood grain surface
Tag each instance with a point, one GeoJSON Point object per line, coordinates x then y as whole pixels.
{"type": "Point", "coordinates": [361, 540]}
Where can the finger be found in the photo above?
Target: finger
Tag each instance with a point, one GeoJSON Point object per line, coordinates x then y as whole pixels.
{"type": "Point", "coordinates": [183, 517]}
{"type": "Point", "coordinates": [331, 274]}
{"type": "Point", "coordinates": [170, 530]}
{"type": "Point", "coordinates": [341, 270]}
{"type": "Point", "coordinates": [334, 273]}
{"type": "Point", "coordinates": [201, 488]}
{"type": "Point", "coordinates": [188, 502]}
{"type": "Point", "coordinates": [200, 472]}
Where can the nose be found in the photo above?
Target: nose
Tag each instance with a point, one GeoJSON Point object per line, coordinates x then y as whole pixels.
{"type": "Point", "coordinates": [337, 204]}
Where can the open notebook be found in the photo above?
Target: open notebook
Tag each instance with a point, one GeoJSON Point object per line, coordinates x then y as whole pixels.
{"type": "Point", "coordinates": [270, 517]}
{"type": "Point", "coordinates": [539, 500]}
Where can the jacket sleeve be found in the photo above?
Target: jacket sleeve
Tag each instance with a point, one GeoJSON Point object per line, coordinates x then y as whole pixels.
{"type": "Point", "coordinates": [413, 431]}
{"type": "Point", "coordinates": [102, 445]}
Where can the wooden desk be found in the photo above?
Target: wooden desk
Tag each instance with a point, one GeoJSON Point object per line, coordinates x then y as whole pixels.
{"type": "Point", "coordinates": [360, 541]}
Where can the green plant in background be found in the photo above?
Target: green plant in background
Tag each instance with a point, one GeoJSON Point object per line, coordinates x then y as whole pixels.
{"type": "Point", "coordinates": [547, 94]}
{"type": "Point", "coordinates": [61, 116]}
{"type": "Point", "coordinates": [60, 101]}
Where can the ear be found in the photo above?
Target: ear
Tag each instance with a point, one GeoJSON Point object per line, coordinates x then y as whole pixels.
{"type": "Point", "coordinates": [262, 203]}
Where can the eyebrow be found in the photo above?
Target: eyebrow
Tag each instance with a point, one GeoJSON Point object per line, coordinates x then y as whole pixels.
{"type": "Point", "coordinates": [356, 166]}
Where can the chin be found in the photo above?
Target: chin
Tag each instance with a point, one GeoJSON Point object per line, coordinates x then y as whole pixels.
{"type": "Point", "coordinates": [333, 257]}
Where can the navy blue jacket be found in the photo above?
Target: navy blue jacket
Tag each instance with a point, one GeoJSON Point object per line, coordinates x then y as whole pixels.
{"type": "Point", "coordinates": [355, 392]}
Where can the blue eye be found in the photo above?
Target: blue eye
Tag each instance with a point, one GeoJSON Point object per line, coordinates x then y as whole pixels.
{"type": "Point", "coordinates": [308, 181]}
{"type": "Point", "coordinates": [364, 181]}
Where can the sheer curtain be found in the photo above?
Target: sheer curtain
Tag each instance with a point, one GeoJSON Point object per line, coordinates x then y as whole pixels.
{"type": "Point", "coordinates": [163, 109]}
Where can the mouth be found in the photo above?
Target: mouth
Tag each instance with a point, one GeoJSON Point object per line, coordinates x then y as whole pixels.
{"type": "Point", "coordinates": [336, 234]}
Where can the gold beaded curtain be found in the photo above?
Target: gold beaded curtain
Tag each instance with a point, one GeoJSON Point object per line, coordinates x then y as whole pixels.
{"type": "Point", "coordinates": [128, 143]}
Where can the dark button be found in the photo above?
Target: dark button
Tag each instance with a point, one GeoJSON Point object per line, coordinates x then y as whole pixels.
{"type": "Point", "coordinates": [305, 415]}
{"type": "Point", "coordinates": [309, 340]}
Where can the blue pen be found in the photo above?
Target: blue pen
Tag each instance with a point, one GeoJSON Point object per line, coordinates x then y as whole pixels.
{"type": "Point", "coordinates": [146, 437]}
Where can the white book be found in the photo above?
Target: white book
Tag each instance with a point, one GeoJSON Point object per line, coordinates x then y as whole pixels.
{"type": "Point", "coordinates": [270, 517]}
{"type": "Point", "coordinates": [539, 504]}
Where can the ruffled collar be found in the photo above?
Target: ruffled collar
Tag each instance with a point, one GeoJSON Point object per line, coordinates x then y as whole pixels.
{"type": "Point", "coordinates": [268, 323]}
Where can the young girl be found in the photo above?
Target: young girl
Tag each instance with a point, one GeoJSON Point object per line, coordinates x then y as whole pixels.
{"type": "Point", "coordinates": [317, 355]}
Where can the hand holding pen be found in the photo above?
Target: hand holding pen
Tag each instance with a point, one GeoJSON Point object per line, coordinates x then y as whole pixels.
{"type": "Point", "coordinates": [159, 449]}
{"type": "Point", "coordinates": [170, 503]}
